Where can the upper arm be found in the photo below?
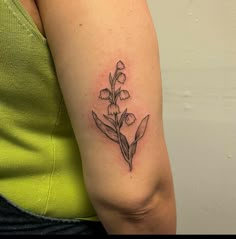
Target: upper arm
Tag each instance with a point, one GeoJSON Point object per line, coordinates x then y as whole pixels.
{"type": "Point", "coordinates": [87, 39]}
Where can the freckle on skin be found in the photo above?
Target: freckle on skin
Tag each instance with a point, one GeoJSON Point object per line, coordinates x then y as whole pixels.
{"type": "Point", "coordinates": [80, 24]}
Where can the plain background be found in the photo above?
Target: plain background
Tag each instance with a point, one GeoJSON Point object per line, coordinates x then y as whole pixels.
{"type": "Point", "coordinates": [197, 41]}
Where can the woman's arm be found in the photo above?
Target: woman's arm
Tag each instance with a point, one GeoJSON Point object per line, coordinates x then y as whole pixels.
{"type": "Point", "coordinates": [107, 62]}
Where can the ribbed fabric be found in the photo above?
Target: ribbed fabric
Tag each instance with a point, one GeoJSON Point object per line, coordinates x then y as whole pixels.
{"type": "Point", "coordinates": [40, 165]}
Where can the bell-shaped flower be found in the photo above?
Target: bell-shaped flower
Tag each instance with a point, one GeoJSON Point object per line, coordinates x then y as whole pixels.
{"type": "Point", "coordinates": [130, 119]}
{"type": "Point", "coordinates": [122, 78]}
{"type": "Point", "coordinates": [113, 109]}
{"type": "Point", "coordinates": [105, 94]}
{"type": "Point", "coordinates": [120, 65]}
{"type": "Point", "coordinates": [124, 94]}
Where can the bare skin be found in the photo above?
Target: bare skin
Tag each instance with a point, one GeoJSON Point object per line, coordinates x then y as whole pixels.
{"type": "Point", "coordinates": [32, 9]}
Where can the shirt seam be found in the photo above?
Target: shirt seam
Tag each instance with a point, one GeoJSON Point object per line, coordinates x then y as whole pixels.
{"type": "Point", "coordinates": [27, 24]}
{"type": "Point", "coordinates": [54, 157]}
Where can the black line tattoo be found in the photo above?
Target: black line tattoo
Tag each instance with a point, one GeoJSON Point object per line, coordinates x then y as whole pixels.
{"type": "Point", "coordinates": [113, 130]}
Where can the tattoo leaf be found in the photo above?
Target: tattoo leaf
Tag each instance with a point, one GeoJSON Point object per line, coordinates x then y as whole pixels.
{"type": "Point", "coordinates": [132, 149]}
{"type": "Point", "coordinates": [110, 78]}
{"type": "Point", "coordinates": [139, 134]}
{"type": "Point", "coordinates": [141, 129]}
{"type": "Point", "coordinates": [125, 145]}
{"type": "Point", "coordinates": [110, 120]}
{"type": "Point", "coordinates": [122, 118]}
{"type": "Point", "coordinates": [107, 130]}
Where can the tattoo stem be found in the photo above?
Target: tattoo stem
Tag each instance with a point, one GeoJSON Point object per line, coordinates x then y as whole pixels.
{"type": "Point", "coordinates": [117, 122]}
{"type": "Point", "coordinates": [113, 91]}
{"type": "Point", "coordinates": [113, 87]}
{"type": "Point", "coordinates": [121, 147]}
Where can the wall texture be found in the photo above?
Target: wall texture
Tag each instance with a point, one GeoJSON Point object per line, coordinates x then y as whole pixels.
{"type": "Point", "coordinates": [197, 41]}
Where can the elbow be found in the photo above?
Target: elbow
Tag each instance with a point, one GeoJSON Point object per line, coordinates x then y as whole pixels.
{"type": "Point", "coordinates": [148, 214]}
{"type": "Point", "coordinates": [138, 211]}
{"type": "Point", "coordinates": [141, 207]}
{"type": "Point", "coordinates": [132, 204]}
{"type": "Point", "coordinates": [155, 214]}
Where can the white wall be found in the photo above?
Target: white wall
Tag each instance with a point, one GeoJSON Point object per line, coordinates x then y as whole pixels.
{"type": "Point", "coordinates": [197, 41]}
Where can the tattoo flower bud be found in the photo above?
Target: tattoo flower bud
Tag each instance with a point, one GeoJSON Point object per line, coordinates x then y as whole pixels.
{"type": "Point", "coordinates": [104, 94]}
{"type": "Point", "coordinates": [120, 65]}
{"type": "Point", "coordinates": [130, 119]}
{"type": "Point", "coordinates": [122, 78]}
{"type": "Point", "coordinates": [124, 94]}
{"type": "Point", "coordinates": [113, 109]}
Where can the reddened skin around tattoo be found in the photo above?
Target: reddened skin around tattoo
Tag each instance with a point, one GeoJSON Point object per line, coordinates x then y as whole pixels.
{"type": "Point", "coordinates": [115, 118]}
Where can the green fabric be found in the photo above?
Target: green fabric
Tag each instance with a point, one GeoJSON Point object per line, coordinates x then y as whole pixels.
{"type": "Point", "coordinates": [40, 165]}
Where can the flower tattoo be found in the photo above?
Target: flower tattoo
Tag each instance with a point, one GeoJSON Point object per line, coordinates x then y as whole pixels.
{"type": "Point", "coordinates": [116, 118]}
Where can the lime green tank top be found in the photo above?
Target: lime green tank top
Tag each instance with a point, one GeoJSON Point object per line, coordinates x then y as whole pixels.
{"type": "Point", "coordinates": [40, 165]}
